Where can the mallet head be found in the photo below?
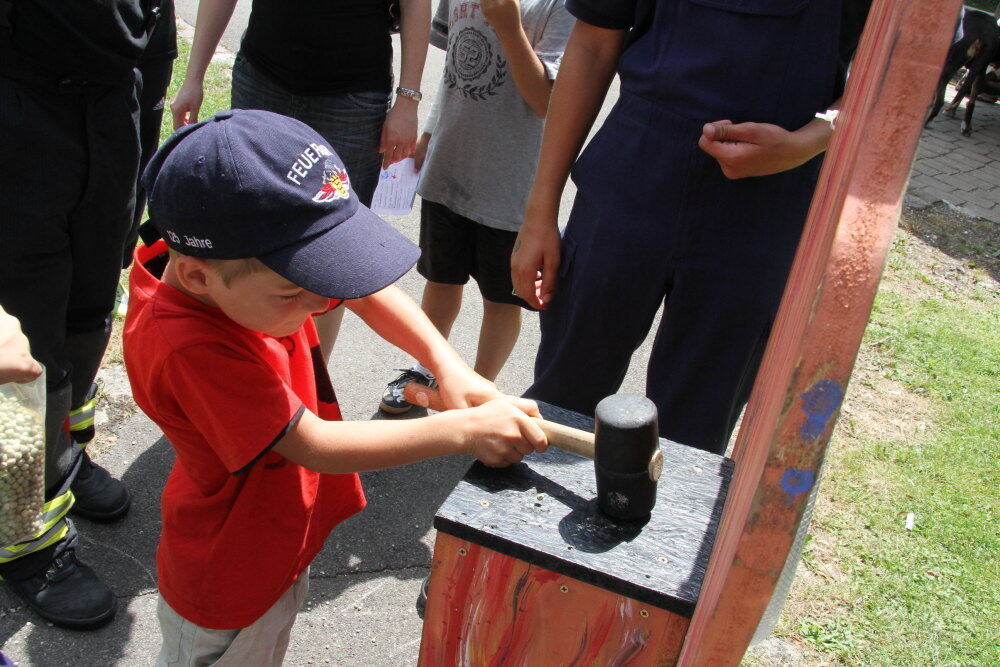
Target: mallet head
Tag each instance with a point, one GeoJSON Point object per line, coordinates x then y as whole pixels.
{"type": "Point", "coordinates": [626, 437]}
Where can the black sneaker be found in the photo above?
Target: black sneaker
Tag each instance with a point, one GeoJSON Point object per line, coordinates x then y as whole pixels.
{"type": "Point", "coordinates": [393, 401]}
{"type": "Point", "coordinates": [68, 593]}
{"type": "Point", "coordinates": [99, 496]}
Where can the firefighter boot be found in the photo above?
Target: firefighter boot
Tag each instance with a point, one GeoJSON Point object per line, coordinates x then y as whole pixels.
{"type": "Point", "coordinates": [99, 496]}
{"type": "Point", "coordinates": [44, 570]}
{"type": "Point", "coordinates": [67, 593]}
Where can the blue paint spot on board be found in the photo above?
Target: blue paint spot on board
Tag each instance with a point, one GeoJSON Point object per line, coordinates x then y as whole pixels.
{"type": "Point", "coordinates": [819, 403]}
{"type": "Point", "coordinates": [794, 482]}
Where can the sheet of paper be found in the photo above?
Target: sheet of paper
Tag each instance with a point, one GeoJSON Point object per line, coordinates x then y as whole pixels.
{"type": "Point", "coordinates": [396, 189]}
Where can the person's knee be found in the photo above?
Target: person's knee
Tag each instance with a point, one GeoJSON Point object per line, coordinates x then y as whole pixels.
{"type": "Point", "coordinates": [504, 311]}
{"type": "Point", "coordinates": [443, 293]}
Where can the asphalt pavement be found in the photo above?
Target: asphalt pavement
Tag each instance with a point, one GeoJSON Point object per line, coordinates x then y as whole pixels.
{"type": "Point", "coordinates": [363, 585]}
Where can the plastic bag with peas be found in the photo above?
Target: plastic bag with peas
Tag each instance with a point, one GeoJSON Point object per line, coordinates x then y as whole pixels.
{"type": "Point", "coordinates": [22, 459]}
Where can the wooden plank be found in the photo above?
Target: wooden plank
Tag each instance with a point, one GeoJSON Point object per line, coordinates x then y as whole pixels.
{"type": "Point", "coordinates": [823, 315]}
{"type": "Point", "coordinates": [544, 511]}
{"type": "Point", "coordinates": [488, 609]}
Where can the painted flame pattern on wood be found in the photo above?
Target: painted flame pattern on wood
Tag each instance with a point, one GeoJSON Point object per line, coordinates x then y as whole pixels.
{"type": "Point", "coordinates": [486, 609]}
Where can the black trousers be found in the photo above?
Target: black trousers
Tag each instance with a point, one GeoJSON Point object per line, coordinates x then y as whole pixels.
{"type": "Point", "coordinates": [68, 163]}
{"type": "Point", "coordinates": [155, 81]}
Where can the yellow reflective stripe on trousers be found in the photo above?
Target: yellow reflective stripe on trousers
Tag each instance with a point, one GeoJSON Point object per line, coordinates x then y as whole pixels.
{"type": "Point", "coordinates": [53, 529]}
{"type": "Point", "coordinates": [83, 416]}
{"type": "Point", "coordinates": [50, 537]}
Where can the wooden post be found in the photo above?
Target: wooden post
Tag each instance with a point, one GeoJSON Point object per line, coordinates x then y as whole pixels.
{"type": "Point", "coordinates": [823, 315]}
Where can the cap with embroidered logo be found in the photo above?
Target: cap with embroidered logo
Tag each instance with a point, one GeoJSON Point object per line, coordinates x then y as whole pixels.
{"type": "Point", "coordinates": [249, 183]}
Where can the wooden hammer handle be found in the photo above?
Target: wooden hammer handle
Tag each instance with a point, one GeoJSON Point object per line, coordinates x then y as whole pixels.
{"type": "Point", "coordinates": [566, 438]}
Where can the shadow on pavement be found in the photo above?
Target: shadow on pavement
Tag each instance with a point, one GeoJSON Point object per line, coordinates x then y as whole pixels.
{"type": "Point", "coordinates": [385, 539]}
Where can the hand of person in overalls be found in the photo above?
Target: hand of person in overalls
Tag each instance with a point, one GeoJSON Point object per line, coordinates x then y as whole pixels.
{"type": "Point", "coordinates": [16, 362]}
{"type": "Point", "coordinates": [762, 149]}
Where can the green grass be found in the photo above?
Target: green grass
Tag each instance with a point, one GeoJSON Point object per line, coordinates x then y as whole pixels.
{"type": "Point", "coordinates": [929, 596]}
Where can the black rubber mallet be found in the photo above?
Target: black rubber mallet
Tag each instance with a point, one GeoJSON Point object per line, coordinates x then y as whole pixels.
{"type": "Point", "coordinates": [625, 448]}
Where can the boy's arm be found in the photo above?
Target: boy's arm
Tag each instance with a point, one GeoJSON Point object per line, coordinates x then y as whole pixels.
{"type": "Point", "coordinates": [584, 76]}
{"type": "Point", "coordinates": [399, 320]}
{"type": "Point", "coordinates": [529, 73]}
{"type": "Point", "coordinates": [399, 131]}
{"type": "Point", "coordinates": [213, 17]}
{"type": "Point", "coordinates": [498, 433]}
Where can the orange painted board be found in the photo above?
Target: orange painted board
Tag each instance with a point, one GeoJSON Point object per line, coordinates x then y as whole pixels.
{"type": "Point", "coordinates": [487, 609]}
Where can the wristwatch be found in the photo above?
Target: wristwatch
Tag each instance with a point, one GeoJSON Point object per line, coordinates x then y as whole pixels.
{"type": "Point", "coordinates": [414, 95]}
{"type": "Point", "coordinates": [830, 116]}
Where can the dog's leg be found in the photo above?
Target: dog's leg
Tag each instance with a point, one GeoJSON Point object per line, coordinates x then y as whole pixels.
{"type": "Point", "coordinates": [970, 106]}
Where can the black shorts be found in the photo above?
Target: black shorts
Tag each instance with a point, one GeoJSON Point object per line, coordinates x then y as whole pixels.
{"type": "Point", "coordinates": [453, 247]}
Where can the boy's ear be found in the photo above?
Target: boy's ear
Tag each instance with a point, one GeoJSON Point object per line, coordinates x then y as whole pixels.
{"type": "Point", "coordinates": [194, 274]}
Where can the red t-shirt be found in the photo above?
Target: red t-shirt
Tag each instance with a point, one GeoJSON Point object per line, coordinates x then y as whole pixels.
{"type": "Point", "coordinates": [240, 522]}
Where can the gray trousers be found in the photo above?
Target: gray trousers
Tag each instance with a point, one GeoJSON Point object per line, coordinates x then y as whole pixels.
{"type": "Point", "coordinates": [263, 643]}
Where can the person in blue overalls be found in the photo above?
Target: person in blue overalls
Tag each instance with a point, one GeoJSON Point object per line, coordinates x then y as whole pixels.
{"type": "Point", "coordinates": [692, 194]}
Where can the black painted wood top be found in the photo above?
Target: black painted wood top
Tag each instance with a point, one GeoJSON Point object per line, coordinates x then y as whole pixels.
{"type": "Point", "coordinates": [544, 511]}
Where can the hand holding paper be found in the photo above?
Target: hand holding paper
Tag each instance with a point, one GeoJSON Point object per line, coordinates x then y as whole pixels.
{"type": "Point", "coordinates": [397, 187]}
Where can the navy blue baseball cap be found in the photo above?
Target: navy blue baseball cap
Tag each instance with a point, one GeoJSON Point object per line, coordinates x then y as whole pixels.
{"type": "Point", "coordinates": [248, 183]}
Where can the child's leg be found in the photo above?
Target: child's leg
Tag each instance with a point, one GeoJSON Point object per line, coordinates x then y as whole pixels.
{"type": "Point", "coordinates": [441, 304]}
{"type": "Point", "coordinates": [263, 643]}
{"type": "Point", "coordinates": [501, 308]}
{"type": "Point", "coordinates": [447, 253]}
{"type": "Point", "coordinates": [497, 336]}
{"type": "Point", "coordinates": [185, 643]}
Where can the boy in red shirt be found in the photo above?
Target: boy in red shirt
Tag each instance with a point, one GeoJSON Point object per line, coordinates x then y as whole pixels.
{"type": "Point", "coordinates": [261, 231]}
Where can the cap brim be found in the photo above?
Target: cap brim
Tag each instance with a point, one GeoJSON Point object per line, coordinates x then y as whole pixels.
{"type": "Point", "coordinates": [355, 258]}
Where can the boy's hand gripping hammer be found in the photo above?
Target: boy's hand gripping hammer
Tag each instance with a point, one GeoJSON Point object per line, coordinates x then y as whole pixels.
{"type": "Point", "coordinates": [624, 447]}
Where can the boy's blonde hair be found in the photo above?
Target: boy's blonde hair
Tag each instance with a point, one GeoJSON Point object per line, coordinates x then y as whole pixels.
{"type": "Point", "coordinates": [230, 269]}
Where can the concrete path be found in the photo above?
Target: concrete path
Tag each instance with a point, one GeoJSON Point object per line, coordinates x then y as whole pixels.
{"type": "Point", "coordinates": [962, 171]}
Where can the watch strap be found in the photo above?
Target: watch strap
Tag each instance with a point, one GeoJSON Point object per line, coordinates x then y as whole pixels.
{"type": "Point", "coordinates": [408, 92]}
